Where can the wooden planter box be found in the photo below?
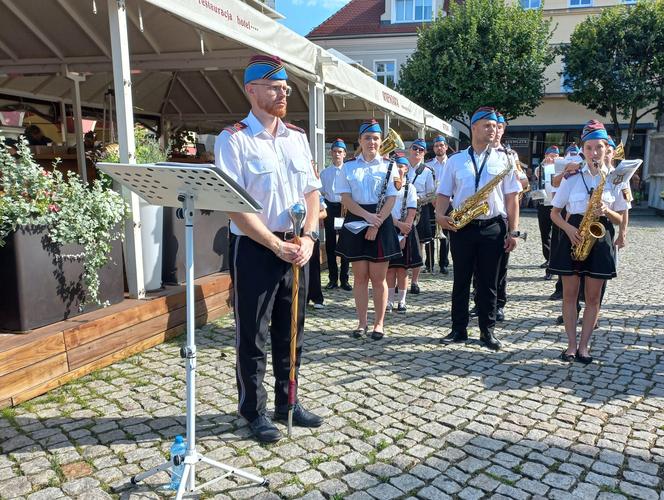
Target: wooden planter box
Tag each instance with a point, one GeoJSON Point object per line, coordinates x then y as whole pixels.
{"type": "Point", "coordinates": [39, 288]}
{"type": "Point", "coordinates": [211, 252]}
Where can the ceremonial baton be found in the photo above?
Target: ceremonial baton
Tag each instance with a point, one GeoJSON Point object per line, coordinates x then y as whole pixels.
{"type": "Point", "coordinates": [297, 214]}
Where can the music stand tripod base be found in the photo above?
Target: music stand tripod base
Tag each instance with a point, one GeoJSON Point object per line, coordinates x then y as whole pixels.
{"type": "Point", "coordinates": [188, 187]}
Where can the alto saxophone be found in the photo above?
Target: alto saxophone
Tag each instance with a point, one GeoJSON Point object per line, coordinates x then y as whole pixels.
{"type": "Point", "coordinates": [590, 228]}
{"type": "Point", "coordinates": [477, 204]}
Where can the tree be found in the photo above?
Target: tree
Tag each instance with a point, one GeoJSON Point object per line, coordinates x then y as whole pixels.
{"type": "Point", "coordinates": [484, 53]}
{"type": "Point", "coordinates": [614, 64]}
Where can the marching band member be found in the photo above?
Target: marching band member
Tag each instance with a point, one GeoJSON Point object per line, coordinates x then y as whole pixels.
{"type": "Point", "coordinates": [482, 242]}
{"type": "Point", "coordinates": [421, 177]}
{"type": "Point", "coordinates": [544, 208]}
{"type": "Point", "coordinates": [333, 202]}
{"type": "Point", "coordinates": [368, 187]}
{"type": "Point", "coordinates": [403, 215]}
{"type": "Point", "coordinates": [575, 194]}
{"type": "Point", "coordinates": [271, 160]}
{"type": "Point", "coordinates": [438, 166]}
{"type": "Point", "coordinates": [315, 293]}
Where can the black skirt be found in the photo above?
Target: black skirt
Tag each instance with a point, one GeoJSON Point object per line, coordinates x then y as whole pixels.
{"type": "Point", "coordinates": [356, 247]}
{"type": "Point", "coordinates": [424, 232]}
{"type": "Point", "coordinates": [410, 255]}
{"type": "Point", "coordinates": [600, 264]}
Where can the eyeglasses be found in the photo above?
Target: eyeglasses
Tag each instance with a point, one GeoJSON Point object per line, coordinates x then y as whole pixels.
{"type": "Point", "coordinates": [275, 89]}
{"type": "Point", "coordinates": [418, 149]}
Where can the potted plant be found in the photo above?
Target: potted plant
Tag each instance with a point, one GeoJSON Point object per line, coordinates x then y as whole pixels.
{"type": "Point", "coordinates": [60, 243]}
{"type": "Point", "coordinates": [147, 150]}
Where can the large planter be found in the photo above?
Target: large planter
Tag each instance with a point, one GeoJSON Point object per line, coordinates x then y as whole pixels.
{"type": "Point", "coordinates": [152, 217]}
{"type": "Point", "coordinates": [210, 245]}
{"type": "Point", "coordinates": [40, 288]}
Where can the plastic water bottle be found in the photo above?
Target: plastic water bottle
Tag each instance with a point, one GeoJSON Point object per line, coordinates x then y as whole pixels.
{"type": "Point", "coordinates": [178, 447]}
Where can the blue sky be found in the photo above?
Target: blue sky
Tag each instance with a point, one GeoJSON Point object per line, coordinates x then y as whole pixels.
{"type": "Point", "coordinates": [304, 15]}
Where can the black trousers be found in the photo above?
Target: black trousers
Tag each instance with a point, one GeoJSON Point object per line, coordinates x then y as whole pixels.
{"type": "Point", "coordinates": [545, 227]}
{"type": "Point", "coordinates": [480, 246]}
{"type": "Point", "coordinates": [334, 210]}
{"type": "Point", "coordinates": [262, 285]}
{"type": "Point", "coordinates": [315, 293]}
{"type": "Point", "coordinates": [501, 292]}
{"type": "Point", "coordinates": [444, 251]}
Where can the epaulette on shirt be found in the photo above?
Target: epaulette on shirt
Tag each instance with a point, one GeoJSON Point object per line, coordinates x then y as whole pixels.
{"type": "Point", "coordinates": [293, 127]}
{"type": "Point", "coordinates": [235, 128]}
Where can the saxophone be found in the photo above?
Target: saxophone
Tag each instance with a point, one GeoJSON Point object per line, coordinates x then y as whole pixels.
{"type": "Point", "coordinates": [590, 228]}
{"type": "Point", "coordinates": [477, 204]}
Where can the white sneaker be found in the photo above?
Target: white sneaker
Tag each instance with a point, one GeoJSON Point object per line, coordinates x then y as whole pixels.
{"type": "Point", "coordinates": [319, 306]}
{"type": "Point", "coordinates": [389, 307]}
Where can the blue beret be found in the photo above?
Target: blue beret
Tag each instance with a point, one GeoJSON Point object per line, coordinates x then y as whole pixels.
{"type": "Point", "coordinates": [401, 159]}
{"type": "Point", "coordinates": [262, 67]}
{"type": "Point", "coordinates": [594, 130]}
{"type": "Point", "coordinates": [370, 127]}
{"type": "Point", "coordinates": [439, 138]}
{"type": "Point", "coordinates": [338, 143]}
{"type": "Point", "coordinates": [484, 113]}
{"type": "Point", "coordinates": [420, 142]}
{"type": "Point", "coordinates": [501, 118]}
{"type": "Point", "coordinates": [573, 149]}
{"type": "Point", "coordinates": [552, 149]}
{"type": "Point", "coordinates": [612, 143]}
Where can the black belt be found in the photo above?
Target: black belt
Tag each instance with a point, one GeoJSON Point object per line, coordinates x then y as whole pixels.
{"type": "Point", "coordinates": [485, 222]}
{"type": "Point", "coordinates": [332, 203]}
{"type": "Point", "coordinates": [284, 235]}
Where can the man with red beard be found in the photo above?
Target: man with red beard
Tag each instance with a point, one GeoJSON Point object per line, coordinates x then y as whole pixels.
{"type": "Point", "coordinates": [271, 160]}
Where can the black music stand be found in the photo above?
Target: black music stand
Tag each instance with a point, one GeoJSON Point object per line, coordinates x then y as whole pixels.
{"type": "Point", "coordinates": [187, 187]}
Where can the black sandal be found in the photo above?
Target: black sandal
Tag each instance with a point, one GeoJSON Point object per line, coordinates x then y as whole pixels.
{"type": "Point", "coordinates": [568, 358]}
{"type": "Point", "coordinates": [359, 332]}
{"type": "Point", "coordinates": [377, 335]}
{"type": "Point", "coordinates": [586, 360]}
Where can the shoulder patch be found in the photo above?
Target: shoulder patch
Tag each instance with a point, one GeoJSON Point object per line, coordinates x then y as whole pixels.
{"type": "Point", "coordinates": [235, 128]}
{"type": "Point", "coordinates": [627, 194]}
{"type": "Point", "coordinates": [293, 127]}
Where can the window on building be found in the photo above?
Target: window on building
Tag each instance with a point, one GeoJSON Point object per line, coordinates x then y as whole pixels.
{"type": "Point", "coordinates": [386, 72]}
{"type": "Point", "coordinates": [413, 10]}
{"type": "Point", "coordinates": [580, 3]}
{"type": "Point", "coordinates": [565, 86]}
{"type": "Point", "coordinates": [531, 4]}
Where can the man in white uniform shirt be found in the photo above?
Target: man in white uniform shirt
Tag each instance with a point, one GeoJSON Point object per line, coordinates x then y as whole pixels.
{"type": "Point", "coordinates": [271, 160]}
{"type": "Point", "coordinates": [333, 202]}
{"type": "Point", "coordinates": [438, 166]}
{"type": "Point", "coordinates": [482, 242]}
{"type": "Point", "coordinates": [544, 208]}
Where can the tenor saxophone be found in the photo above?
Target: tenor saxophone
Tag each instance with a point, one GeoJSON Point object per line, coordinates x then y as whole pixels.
{"type": "Point", "coordinates": [590, 228]}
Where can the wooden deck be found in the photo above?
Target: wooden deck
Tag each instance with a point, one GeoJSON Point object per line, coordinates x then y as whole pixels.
{"type": "Point", "coordinates": [38, 361]}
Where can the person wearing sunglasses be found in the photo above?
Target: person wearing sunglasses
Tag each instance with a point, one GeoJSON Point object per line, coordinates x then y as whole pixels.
{"type": "Point", "coordinates": [272, 161]}
{"type": "Point", "coordinates": [421, 177]}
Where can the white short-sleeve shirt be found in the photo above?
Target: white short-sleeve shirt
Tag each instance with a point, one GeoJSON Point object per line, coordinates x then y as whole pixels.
{"type": "Point", "coordinates": [363, 180]}
{"type": "Point", "coordinates": [438, 168]}
{"type": "Point", "coordinates": [573, 193]}
{"type": "Point", "coordinates": [458, 180]}
{"type": "Point", "coordinates": [424, 182]}
{"type": "Point", "coordinates": [276, 171]}
{"type": "Point", "coordinates": [622, 194]}
{"type": "Point", "coordinates": [411, 200]}
{"type": "Point", "coordinates": [328, 180]}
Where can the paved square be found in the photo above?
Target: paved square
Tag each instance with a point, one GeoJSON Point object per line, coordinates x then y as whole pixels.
{"type": "Point", "coordinates": [406, 417]}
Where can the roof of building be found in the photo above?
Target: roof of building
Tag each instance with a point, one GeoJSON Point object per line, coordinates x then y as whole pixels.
{"type": "Point", "coordinates": [360, 17]}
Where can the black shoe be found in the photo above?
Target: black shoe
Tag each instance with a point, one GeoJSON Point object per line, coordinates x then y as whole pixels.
{"type": "Point", "coordinates": [401, 308]}
{"type": "Point", "coordinates": [568, 358]}
{"type": "Point", "coordinates": [331, 285]}
{"type": "Point", "coordinates": [301, 417]}
{"type": "Point", "coordinates": [444, 270]}
{"type": "Point", "coordinates": [414, 288]}
{"type": "Point", "coordinates": [359, 332]}
{"type": "Point", "coordinates": [264, 430]}
{"type": "Point", "coordinates": [548, 277]}
{"type": "Point", "coordinates": [346, 286]}
{"type": "Point", "coordinates": [560, 320]}
{"type": "Point", "coordinates": [490, 340]}
{"type": "Point", "coordinates": [586, 360]}
{"type": "Point", "coordinates": [473, 312]}
{"type": "Point", "coordinates": [556, 295]}
{"type": "Point", "coordinates": [544, 266]}
{"type": "Point", "coordinates": [377, 335]}
{"type": "Point", "coordinates": [500, 314]}
{"type": "Point", "coordinates": [454, 336]}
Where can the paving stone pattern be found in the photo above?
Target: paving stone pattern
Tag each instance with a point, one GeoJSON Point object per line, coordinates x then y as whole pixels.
{"type": "Point", "coordinates": [406, 417]}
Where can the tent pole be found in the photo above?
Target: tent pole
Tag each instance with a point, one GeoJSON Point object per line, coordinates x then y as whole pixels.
{"type": "Point", "coordinates": [386, 123]}
{"type": "Point", "coordinates": [117, 18]}
{"type": "Point", "coordinates": [317, 123]}
{"type": "Point", "coordinates": [63, 122]}
{"type": "Point", "coordinates": [78, 123]}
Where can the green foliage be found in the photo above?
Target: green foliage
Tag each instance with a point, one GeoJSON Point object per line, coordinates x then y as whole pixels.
{"type": "Point", "coordinates": [614, 62]}
{"type": "Point", "coordinates": [483, 53]}
{"type": "Point", "coordinates": [73, 212]}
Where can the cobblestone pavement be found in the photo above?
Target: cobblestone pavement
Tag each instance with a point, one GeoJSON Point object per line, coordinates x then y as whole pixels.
{"type": "Point", "coordinates": [405, 416]}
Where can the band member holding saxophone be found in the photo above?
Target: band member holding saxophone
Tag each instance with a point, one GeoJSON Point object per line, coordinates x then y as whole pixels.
{"type": "Point", "coordinates": [484, 188]}
{"type": "Point", "coordinates": [368, 186]}
{"type": "Point", "coordinates": [403, 215]}
{"type": "Point", "coordinates": [438, 166]}
{"type": "Point", "coordinates": [585, 249]}
{"type": "Point", "coordinates": [421, 177]}
{"type": "Point", "coordinates": [259, 153]}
